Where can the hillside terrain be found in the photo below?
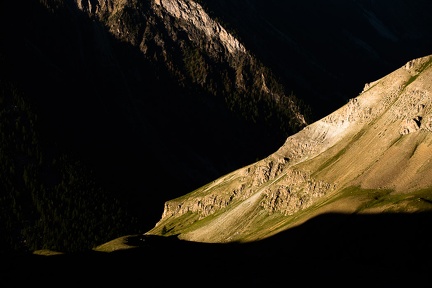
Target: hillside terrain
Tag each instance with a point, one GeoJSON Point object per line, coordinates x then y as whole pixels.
{"type": "Point", "coordinates": [248, 143]}
{"type": "Point", "coordinates": [101, 101]}
{"type": "Point", "coordinates": [251, 143]}
{"type": "Point", "coordinates": [373, 155]}
{"type": "Point", "coordinates": [345, 201]}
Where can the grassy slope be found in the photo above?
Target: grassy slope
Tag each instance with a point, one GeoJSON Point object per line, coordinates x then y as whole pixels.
{"type": "Point", "coordinates": [374, 168]}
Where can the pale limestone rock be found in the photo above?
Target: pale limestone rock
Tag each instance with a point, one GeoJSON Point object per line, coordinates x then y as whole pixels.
{"type": "Point", "coordinates": [193, 13]}
{"type": "Point", "coordinates": [410, 125]}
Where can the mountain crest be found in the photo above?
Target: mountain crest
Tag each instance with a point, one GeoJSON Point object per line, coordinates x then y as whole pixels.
{"type": "Point", "coordinates": [358, 159]}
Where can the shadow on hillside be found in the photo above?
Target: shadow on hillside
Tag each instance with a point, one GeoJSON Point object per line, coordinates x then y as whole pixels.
{"type": "Point", "coordinates": [118, 113]}
{"type": "Point", "coordinates": [336, 249]}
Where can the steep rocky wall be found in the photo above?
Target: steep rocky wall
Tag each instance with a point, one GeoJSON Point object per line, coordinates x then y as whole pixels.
{"type": "Point", "coordinates": [191, 12]}
{"type": "Point", "coordinates": [181, 36]}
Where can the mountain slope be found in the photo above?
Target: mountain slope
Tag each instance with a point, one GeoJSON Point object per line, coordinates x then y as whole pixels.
{"type": "Point", "coordinates": [119, 105]}
{"type": "Point", "coordinates": [324, 51]}
{"type": "Point", "coordinates": [132, 94]}
{"type": "Point", "coordinates": [371, 155]}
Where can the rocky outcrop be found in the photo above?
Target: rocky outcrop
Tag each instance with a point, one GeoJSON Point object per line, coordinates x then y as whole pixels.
{"type": "Point", "coordinates": [192, 13]}
{"type": "Point", "coordinates": [180, 36]}
{"type": "Point", "coordinates": [410, 125]}
{"type": "Point", "coordinates": [417, 113]}
{"type": "Point", "coordinates": [283, 190]}
{"type": "Point", "coordinates": [296, 191]}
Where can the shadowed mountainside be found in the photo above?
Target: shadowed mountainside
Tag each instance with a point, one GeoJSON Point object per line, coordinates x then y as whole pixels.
{"type": "Point", "coordinates": [331, 249]}
{"type": "Point", "coordinates": [119, 109]}
{"type": "Point", "coordinates": [109, 108]}
{"type": "Point", "coordinates": [326, 51]}
{"type": "Point", "coordinates": [375, 234]}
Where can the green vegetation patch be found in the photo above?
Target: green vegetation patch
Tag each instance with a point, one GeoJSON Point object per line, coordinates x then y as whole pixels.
{"type": "Point", "coordinates": [185, 223]}
{"type": "Point", "coordinates": [342, 151]}
{"type": "Point", "coordinates": [176, 225]}
{"type": "Point", "coordinates": [417, 201]}
{"type": "Point", "coordinates": [422, 68]}
{"type": "Point", "coordinates": [332, 160]}
{"type": "Point", "coordinates": [373, 197]}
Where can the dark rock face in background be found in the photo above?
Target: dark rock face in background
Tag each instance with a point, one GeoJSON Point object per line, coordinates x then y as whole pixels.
{"type": "Point", "coordinates": [146, 128]}
{"type": "Point", "coordinates": [144, 124]}
{"type": "Point", "coordinates": [326, 51]}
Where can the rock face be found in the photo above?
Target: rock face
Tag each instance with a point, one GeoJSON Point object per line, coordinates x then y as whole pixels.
{"type": "Point", "coordinates": [379, 143]}
{"type": "Point", "coordinates": [312, 44]}
{"type": "Point", "coordinates": [193, 13]}
{"type": "Point", "coordinates": [139, 92]}
{"type": "Point", "coordinates": [179, 39]}
{"type": "Point", "coordinates": [182, 37]}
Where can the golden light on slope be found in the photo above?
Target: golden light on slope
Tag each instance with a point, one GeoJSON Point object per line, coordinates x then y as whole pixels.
{"type": "Point", "coordinates": [372, 155]}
